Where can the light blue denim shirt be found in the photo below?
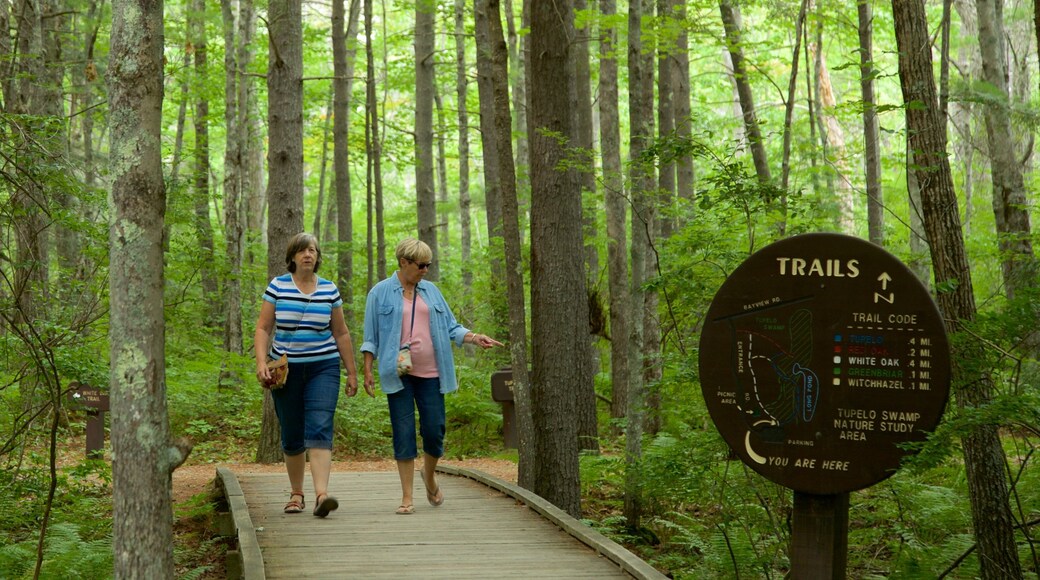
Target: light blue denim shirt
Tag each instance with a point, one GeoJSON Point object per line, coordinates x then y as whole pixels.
{"type": "Point", "coordinates": [384, 314]}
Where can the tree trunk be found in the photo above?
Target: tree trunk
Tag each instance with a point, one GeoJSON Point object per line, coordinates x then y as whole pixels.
{"type": "Point", "coordinates": [731, 23]}
{"type": "Point", "coordinates": [588, 429]}
{"type": "Point", "coordinates": [233, 231]}
{"type": "Point", "coordinates": [425, 197]}
{"type": "Point", "coordinates": [442, 172]}
{"type": "Point", "coordinates": [518, 79]}
{"type": "Point", "coordinates": [785, 163]}
{"type": "Point", "coordinates": [918, 262]}
{"type": "Point", "coordinates": [616, 204]}
{"type": "Point", "coordinates": [200, 195]}
{"type": "Point", "coordinates": [684, 174]}
{"type": "Point", "coordinates": [344, 50]}
{"type": "Point", "coordinates": [641, 123]}
{"type": "Point", "coordinates": [284, 165]}
{"type": "Point", "coordinates": [144, 459]}
{"type": "Point", "coordinates": [254, 193]}
{"type": "Point", "coordinates": [871, 130]}
{"type": "Point", "coordinates": [835, 154]}
{"type": "Point", "coordinates": [503, 145]}
{"type": "Point", "coordinates": [983, 455]}
{"type": "Point", "coordinates": [486, 92]}
{"type": "Point", "coordinates": [461, 92]}
{"type": "Point", "coordinates": [1010, 207]}
{"type": "Point", "coordinates": [559, 306]}
{"type": "Point", "coordinates": [324, 165]}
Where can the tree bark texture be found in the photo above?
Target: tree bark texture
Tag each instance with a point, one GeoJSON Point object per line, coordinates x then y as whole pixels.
{"type": "Point", "coordinates": [684, 174]}
{"type": "Point", "coordinates": [983, 455]}
{"type": "Point", "coordinates": [461, 92]}
{"type": "Point", "coordinates": [514, 270]}
{"type": "Point", "coordinates": [871, 129]}
{"type": "Point", "coordinates": [344, 50]}
{"type": "Point", "coordinates": [284, 165]}
{"type": "Point", "coordinates": [731, 24]}
{"type": "Point", "coordinates": [486, 92]}
{"type": "Point", "coordinates": [425, 197]}
{"type": "Point", "coordinates": [233, 222]}
{"type": "Point", "coordinates": [559, 307]}
{"type": "Point", "coordinates": [143, 456]}
{"type": "Point", "coordinates": [641, 123]}
{"type": "Point", "coordinates": [616, 208]}
{"type": "Point", "coordinates": [200, 181]}
{"type": "Point", "coordinates": [1010, 206]}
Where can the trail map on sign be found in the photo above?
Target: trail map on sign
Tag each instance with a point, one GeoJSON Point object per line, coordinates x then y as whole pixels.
{"type": "Point", "coordinates": [820, 356]}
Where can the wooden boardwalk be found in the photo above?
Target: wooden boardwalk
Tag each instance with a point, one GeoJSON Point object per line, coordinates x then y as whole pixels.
{"type": "Point", "coordinates": [487, 528]}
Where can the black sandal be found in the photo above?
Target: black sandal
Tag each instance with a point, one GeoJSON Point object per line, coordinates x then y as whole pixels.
{"type": "Point", "coordinates": [326, 504]}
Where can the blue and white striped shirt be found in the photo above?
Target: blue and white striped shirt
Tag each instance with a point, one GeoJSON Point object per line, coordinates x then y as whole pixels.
{"type": "Point", "coordinates": [303, 321]}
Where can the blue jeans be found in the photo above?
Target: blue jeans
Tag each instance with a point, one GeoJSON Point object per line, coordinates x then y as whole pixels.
{"type": "Point", "coordinates": [306, 405]}
{"type": "Point", "coordinates": [424, 394]}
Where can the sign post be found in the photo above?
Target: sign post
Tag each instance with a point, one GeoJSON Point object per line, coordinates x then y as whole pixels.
{"type": "Point", "coordinates": [820, 356]}
{"type": "Point", "coordinates": [96, 403]}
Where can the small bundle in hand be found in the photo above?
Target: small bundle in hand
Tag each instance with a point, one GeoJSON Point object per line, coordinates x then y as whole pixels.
{"type": "Point", "coordinates": [279, 370]}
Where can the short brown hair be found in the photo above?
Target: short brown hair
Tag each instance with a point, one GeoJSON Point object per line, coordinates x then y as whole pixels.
{"type": "Point", "coordinates": [301, 241]}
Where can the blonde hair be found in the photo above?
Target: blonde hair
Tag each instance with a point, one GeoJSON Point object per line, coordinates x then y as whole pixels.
{"type": "Point", "coordinates": [301, 241]}
{"type": "Point", "coordinates": [413, 250]}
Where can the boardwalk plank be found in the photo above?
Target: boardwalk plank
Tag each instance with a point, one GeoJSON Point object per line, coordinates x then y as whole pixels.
{"type": "Point", "coordinates": [477, 533]}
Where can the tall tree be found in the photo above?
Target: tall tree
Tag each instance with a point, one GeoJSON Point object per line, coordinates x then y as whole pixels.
{"type": "Point", "coordinates": [731, 24]}
{"type": "Point", "coordinates": [614, 194]}
{"type": "Point", "coordinates": [461, 91]}
{"type": "Point", "coordinates": [233, 222]}
{"type": "Point", "coordinates": [374, 171]}
{"type": "Point", "coordinates": [344, 51]}
{"type": "Point", "coordinates": [1010, 207]}
{"type": "Point", "coordinates": [425, 196]}
{"type": "Point", "coordinates": [984, 460]}
{"type": "Point", "coordinates": [871, 130]}
{"type": "Point", "coordinates": [588, 432]}
{"type": "Point", "coordinates": [684, 172]}
{"type": "Point", "coordinates": [641, 127]}
{"type": "Point", "coordinates": [200, 193]}
{"type": "Point", "coordinates": [559, 306]}
{"type": "Point", "coordinates": [144, 457]}
{"type": "Point", "coordinates": [284, 165]}
{"type": "Point", "coordinates": [518, 78]}
{"type": "Point", "coordinates": [514, 270]}
{"type": "Point", "coordinates": [486, 92]}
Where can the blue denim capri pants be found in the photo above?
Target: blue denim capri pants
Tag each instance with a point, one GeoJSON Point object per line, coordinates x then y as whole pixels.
{"type": "Point", "coordinates": [306, 405]}
{"type": "Point", "coordinates": [424, 394]}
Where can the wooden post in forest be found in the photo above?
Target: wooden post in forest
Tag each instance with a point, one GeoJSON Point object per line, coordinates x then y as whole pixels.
{"type": "Point", "coordinates": [821, 355]}
{"type": "Point", "coordinates": [96, 403]}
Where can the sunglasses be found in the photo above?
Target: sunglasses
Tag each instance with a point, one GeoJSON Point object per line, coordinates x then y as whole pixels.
{"type": "Point", "coordinates": [421, 265]}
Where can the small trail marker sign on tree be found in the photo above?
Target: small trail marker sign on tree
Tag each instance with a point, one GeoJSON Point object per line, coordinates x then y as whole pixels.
{"type": "Point", "coordinates": [821, 355]}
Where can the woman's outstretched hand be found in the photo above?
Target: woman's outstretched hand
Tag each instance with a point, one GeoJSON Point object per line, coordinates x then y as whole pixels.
{"type": "Point", "coordinates": [484, 341]}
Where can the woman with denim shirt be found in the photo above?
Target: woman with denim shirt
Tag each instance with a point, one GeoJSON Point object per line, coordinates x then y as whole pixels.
{"type": "Point", "coordinates": [426, 333]}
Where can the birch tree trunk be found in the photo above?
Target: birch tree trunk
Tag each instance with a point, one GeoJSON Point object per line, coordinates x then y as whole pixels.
{"type": "Point", "coordinates": [143, 456]}
{"type": "Point", "coordinates": [984, 459]}
{"type": "Point", "coordinates": [284, 166]}
{"type": "Point", "coordinates": [559, 306]}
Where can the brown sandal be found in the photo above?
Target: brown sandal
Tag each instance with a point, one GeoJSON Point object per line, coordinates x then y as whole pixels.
{"type": "Point", "coordinates": [326, 504]}
{"type": "Point", "coordinates": [295, 507]}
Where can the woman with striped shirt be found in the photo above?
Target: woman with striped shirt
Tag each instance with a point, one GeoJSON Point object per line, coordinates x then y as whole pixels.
{"type": "Point", "coordinates": [302, 317]}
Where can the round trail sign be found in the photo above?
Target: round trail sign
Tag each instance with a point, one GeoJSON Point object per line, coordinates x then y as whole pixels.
{"type": "Point", "coordinates": [820, 355]}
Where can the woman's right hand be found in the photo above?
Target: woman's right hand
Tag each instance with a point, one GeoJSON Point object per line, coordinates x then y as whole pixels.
{"type": "Point", "coordinates": [370, 382]}
{"type": "Point", "coordinates": [263, 374]}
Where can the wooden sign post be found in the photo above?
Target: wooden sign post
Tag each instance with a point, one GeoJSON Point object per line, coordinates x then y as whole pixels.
{"type": "Point", "coordinates": [820, 356]}
{"type": "Point", "coordinates": [96, 403]}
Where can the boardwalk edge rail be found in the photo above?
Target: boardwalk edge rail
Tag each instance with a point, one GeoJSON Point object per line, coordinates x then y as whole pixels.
{"type": "Point", "coordinates": [246, 562]}
{"type": "Point", "coordinates": [603, 545]}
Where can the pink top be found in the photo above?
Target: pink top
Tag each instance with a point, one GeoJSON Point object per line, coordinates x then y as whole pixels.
{"type": "Point", "coordinates": [424, 364]}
